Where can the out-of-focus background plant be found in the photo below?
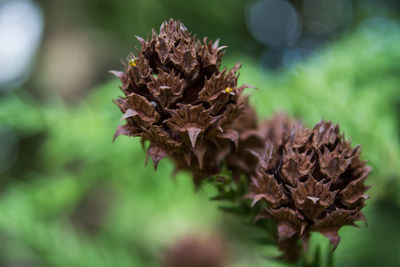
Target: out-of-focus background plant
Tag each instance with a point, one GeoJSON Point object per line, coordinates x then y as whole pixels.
{"type": "Point", "coordinates": [69, 197]}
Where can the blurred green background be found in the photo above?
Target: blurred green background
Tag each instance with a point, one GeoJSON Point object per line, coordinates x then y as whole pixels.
{"type": "Point", "coordinates": [70, 197]}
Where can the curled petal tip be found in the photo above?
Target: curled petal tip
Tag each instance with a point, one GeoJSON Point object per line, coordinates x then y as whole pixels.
{"type": "Point", "coordinates": [129, 113]}
{"type": "Point", "coordinates": [121, 130]}
{"type": "Point", "coordinates": [333, 236]}
{"type": "Point", "coordinates": [140, 39]}
{"type": "Point", "coordinates": [118, 74]}
{"type": "Point", "coordinates": [222, 48]}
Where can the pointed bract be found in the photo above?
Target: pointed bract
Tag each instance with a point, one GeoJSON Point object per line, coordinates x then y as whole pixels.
{"type": "Point", "coordinates": [193, 132]}
{"type": "Point", "coordinates": [157, 153]}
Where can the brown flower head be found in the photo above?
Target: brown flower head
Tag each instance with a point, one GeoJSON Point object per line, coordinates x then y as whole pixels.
{"type": "Point", "coordinates": [312, 180]}
{"type": "Point", "coordinates": [196, 251]}
{"type": "Point", "coordinates": [177, 98]}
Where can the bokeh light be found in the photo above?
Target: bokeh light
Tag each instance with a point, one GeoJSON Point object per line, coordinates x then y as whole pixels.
{"type": "Point", "coordinates": [325, 17]}
{"type": "Point", "coordinates": [273, 22]}
{"type": "Point", "coordinates": [21, 26]}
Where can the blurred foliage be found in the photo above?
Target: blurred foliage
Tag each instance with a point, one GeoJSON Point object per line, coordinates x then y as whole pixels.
{"type": "Point", "coordinates": [75, 199]}
{"type": "Point", "coordinates": [209, 18]}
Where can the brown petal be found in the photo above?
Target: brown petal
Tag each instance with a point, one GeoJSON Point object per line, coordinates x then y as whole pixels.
{"type": "Point", "coordinates": [304, 239]}
{"type": "Point", "coordinates": [331, 223]}
{"type": "Point", "coordinates": [332, 164]}
{"type": "Point", "coordinates": [129, 113]}
{"type": "Point", "coordinates": [124, 130]}
{"type": "Point", "coordinates": [215, 86]}
{"type": "Point", "coordinates": [157, 153]}
{"type": "Point", "coordinates": [158, 135]}
{"type": "Point", "coordinates": [286, 230]}
{"type": "Point", "coordinates": [188, 157]}
{"type": "Point", "coordinates": [188, 116]}
{"type": "Point", "coordinates": [219, 153]}
{"type": "Point", "coordinates": [162, 49]}
{"type": "Point", "coordinates": [354, 192]}
{"type": "Point", "coordinates": [231, 135]}
{"type": "Point", "coordinates": [285, 214]}
{"type": "Point", "coordinates": [166, 87]}
{"type": "Point", "coordinates": [300, 136]}
{"type": "Point", "coordinates": [141, 73]}
{"type": "Point", "coordinates": [325, 133]}
{"type": "Point", "coordinates": [142, 110]}
{"type": "Point", "coordinates": [336, 219]}
{"type": "Point", "coordinates": [199, 151]}
{"type": "Point", "coordinates": [312, 197]}
{"type": "Point", "coordinates": [333, 236]}
{"type": "Point", "coordinates": [211, 54]}
{"type": "Point", "coordinates": [265, 186]}
{"type": "Point", "coordinates": [142, 41]}
{"type": "Point", "coordinates": [189, 62]}
{"type": "Point", "coordinates": [118, 74]}
{"type": "Point", "coordinates": [296, 165]}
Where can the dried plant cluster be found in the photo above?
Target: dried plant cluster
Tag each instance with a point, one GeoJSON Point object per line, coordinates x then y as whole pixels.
{"type": "Point", "coordinates": [176, 98]}
{"type": "Point", "coordinates": [196, 251]}
{"type": "Point", "coordinates": [311, 179]}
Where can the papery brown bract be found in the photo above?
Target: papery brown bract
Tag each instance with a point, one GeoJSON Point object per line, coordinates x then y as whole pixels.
{"type": "Point", "coordinates": [312, 180]}
{"type": "Point", "coordinates": [177, 99]}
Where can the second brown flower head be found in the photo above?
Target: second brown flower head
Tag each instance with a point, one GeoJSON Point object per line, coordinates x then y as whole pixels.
{"type": "Point", "coordinates": [311, 179]}
{"type": "Point", "coordinates": [176, 98]}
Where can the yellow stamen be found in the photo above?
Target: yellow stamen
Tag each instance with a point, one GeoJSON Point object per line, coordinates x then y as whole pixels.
{"type": "Point", "coordinates": [228, 90]}
{"type": "Point", "coordinates": [132, 62]}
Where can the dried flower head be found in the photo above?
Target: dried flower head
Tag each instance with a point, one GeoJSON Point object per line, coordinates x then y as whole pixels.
{"type": "Point", "coordinates": [312, 180]}
{"type": "Point", "coordinates": [196, 251]}
{"type": "Point", "coordinates": [177, 99]}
